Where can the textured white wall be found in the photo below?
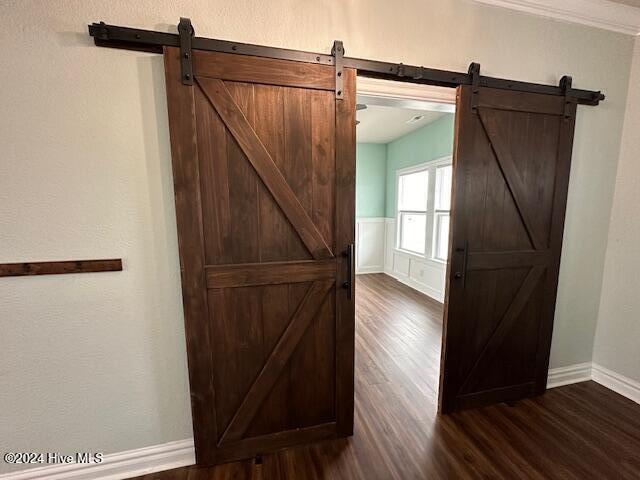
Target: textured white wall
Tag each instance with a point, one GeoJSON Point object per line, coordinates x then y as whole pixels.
{"type": "Point", "coordinates": [97, 361]}
{"type": "Point", "coordinates": [617, 341]}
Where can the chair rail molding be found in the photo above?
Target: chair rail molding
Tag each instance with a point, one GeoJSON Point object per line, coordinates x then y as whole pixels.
{"type": "Point", "coordinates": [603, 14]}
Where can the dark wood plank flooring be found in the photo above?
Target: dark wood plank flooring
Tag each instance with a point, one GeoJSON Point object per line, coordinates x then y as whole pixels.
{"type": "Point", "coordinates": [581, 431]}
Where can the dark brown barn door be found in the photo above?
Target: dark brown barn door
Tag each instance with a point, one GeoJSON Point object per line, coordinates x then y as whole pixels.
{"type": "Point", "coordinates": [512, 156]}
{"type": "Point", "coordinates": [264, 161]}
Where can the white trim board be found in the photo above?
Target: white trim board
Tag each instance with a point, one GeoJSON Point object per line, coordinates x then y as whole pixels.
{"type": "Point", "coordinates": [603, 14]}
{"type": "Point", "coordinates": [405, 95]}
{"type": "Point", "coordinates": [142, 461]}
{"type": "Point", "coordinates": [420, 287]}
{"type": "Point", "coordinates": [625, 386]}
{"type": "Point", "coordinates": [582, 372]}
{"type": "Point", "coordinates": [117, 466]}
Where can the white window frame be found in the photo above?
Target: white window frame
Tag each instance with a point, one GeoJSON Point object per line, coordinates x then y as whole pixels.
{"type": "Point", "coordinates": [423, 167]}
{"type": "Point", "coordinates": [430, 234]}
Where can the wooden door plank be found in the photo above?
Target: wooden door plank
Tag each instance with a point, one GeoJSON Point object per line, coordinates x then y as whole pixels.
{"type": "Point", "coordinates": [274, 414]}
{"type": "Point", "coordinates": [296, 163]}
{"type": "Point", "coordinates": [323, 159]}
{"type": "Point", "coordinates": [243, 184]}
{"type": "Point", "coordinates": [186, 183]}
{"type": "Point", "coordinates": [274, 273]}
{"type": "Point", "coordinates": [298, 170]}
{"type": "Point", "coordinates": [512, 178]}
{"type": "Point", "coordinates": [278, 240]}
{"type": "Point", "coordinates": [214, 182]}
{"type": "Point", "coordinates": [247, 139]}
{"type": "Point", "coordinates": [272, 369]}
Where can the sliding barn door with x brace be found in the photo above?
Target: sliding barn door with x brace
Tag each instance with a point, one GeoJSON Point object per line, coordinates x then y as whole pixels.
{"type": "Point", "coordinates": [264, 164]}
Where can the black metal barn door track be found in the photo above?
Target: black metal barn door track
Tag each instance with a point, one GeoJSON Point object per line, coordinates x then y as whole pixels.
{"type": "Point", "coordinates": [150, 41]}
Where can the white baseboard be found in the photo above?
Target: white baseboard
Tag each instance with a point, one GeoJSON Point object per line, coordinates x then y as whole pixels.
{"type": "Point", "coordinates": [116, 466]}
{"type": "Point", "coordinates": [365, 270]}
{"type": "Point", "coordinates": [625, 386]}
{"type": "Point", "coordinates": [580, 372]}
{"type": "Point", "coordinates": [422, 288]}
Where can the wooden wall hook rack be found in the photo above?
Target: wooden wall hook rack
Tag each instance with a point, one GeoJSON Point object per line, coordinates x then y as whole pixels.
{"type": "Point", "coordinates": [60, 267]}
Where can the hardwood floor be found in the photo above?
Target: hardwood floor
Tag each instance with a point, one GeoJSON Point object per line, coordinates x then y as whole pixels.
{"type": "Point", "coordinates": [581, 431]}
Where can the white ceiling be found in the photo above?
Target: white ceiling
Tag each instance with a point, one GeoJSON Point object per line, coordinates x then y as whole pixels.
{"type": "Point", "coordinates": [383, 124]}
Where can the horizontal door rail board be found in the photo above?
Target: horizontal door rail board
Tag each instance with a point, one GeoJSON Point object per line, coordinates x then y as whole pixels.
{"type": "Point", "coordinates": [151, 41]}
{"type": "Point", "coordinates": [499, 394]}
{"type": "Point", "coordinates": [251, 274]}
{"type": "Point", "coordinates": [240, 449]}
{"type": "Point", "coordinates": [507, 321]}
{"type": "Point", "coordinates": [240, 68]}
{"type": "Point", "coordinates": [265, 167]}
{"type": "Point", "coordinates": [272, 369]}
{"type": "Point", "coordinates": [499, 260]}
{"type": "Point", "coordinates": [497, 99]}
{"type": "Point", "coordinates": [60, 267]}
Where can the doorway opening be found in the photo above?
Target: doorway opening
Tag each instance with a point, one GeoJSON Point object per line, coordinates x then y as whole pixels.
{"type": "Point", "coordinates": [404, 154]}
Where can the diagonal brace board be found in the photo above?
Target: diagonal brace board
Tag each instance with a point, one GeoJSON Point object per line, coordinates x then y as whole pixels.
{"type": "Point", "coordinates": [508, 320]}
{"type": "Point", "coordinates": [300, 322]}
{"type": "Point", "coordinates": [511, 177]}
{"type": "Point", "coordinates": [257, 154]}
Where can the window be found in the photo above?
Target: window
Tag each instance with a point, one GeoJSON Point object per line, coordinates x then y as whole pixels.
{"type": "Point", "coordinates": [442, 212]}
{"type": "Point", "coordinates": [412, 210]}
{"type": "Point", "coordinates": [423, 209]}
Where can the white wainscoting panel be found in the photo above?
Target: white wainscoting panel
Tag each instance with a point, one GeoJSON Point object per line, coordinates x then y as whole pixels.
{"type": "Point", "coordinates": [423, 274]}
{"type": "Point", "coordinates": [370, 241]}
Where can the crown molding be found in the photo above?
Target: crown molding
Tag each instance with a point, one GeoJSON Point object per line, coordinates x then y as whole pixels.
{"type": "Point", "coordinates": [594, 13]}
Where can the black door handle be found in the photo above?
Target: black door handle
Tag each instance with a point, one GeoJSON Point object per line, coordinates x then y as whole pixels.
{"type": "Point", "coordinates": [462, 274]}
{"type": "Point", "coordinates": [348, 284]}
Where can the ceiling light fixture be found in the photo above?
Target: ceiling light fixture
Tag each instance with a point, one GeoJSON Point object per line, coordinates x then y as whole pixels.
{"type": "Point", "coordinates": [415, 119]}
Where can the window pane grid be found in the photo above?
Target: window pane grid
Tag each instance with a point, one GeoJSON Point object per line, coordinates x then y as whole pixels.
{"type": "Point", "coordinates": [423, 211]}
{"type": "Point", "coordinates": [442, 236]}
{"type": "Point", "coordinates": [413, 231]}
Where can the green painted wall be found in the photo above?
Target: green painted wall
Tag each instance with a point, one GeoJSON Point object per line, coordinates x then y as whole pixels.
{"type": "Point", "coordinates": [431, 142]}
{"type": "Point", "coordinates": [371, 171]}
{"type": "Point", "coordinates": [376, 165]}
